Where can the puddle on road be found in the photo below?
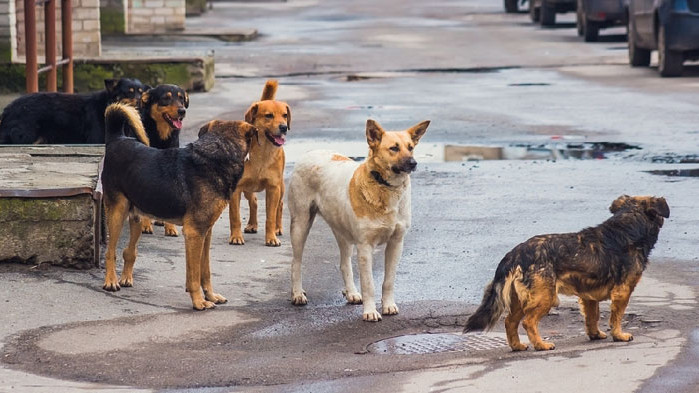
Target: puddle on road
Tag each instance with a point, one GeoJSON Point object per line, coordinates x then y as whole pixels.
{"type": "Point", "coordinates": [445, 152]}
{"type": "Point", "coordinates": [676, 172]}
{"type": "Point", "coordinates": [415, 344]}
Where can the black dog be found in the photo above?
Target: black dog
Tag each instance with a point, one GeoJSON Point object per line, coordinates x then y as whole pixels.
{"type": "Point", "coordinates": [189, 186]}
{"type": "Point", "coordinates": [61, 118]}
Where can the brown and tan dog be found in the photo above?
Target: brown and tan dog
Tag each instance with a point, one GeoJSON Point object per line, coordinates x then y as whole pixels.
{"type": "Point", "coordinates": [189, 186]}
{"type": "Point", "coordinates": [595, 264]}
{"type": "Point", "coordinates": [264, 170]}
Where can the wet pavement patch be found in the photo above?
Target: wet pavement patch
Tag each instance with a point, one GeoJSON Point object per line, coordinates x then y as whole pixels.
{"type": "Point", "coordinates": [417, 344]}
{"type": "Point", "coordinates": [676, 159]}
{"type": "Point", "coordinates": [676, 172]}
{"type": "Point", "coordinates": [528, 84]}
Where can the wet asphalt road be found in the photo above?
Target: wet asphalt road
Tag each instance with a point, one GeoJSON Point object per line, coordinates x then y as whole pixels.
{"type": "Point", "coordinates": [482, 77]}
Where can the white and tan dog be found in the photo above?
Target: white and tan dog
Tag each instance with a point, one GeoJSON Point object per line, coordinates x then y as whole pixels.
{"type": "Point", "coordinates": [365, 205]}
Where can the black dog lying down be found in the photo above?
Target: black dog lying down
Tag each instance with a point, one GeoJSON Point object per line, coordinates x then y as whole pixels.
{"type": "Point", "coordinates": [189, 186]}
{"type": "Point", "coordinates": [61, 118]}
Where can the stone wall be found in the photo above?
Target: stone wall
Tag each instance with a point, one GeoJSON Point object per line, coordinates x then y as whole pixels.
{"type": "Point", "coordinates": [86, 29]}
{"type": "Point", "coordinates": [8, 34]}
{"type": "Point", "coordinates": [156, 16]}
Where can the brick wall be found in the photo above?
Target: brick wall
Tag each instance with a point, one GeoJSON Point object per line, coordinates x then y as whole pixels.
{"type": "Point", "coordinates": [156, 16]}
{"type": "Point", "coordinates": [86, 29]}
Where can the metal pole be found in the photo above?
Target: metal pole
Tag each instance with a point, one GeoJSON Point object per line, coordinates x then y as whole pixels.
{"type": "Point", "coordinates": [67, 41]}
{"type": "Point", "coordinates": [50, 29]}
{"type": "Point", "coordinates": [30, 46]}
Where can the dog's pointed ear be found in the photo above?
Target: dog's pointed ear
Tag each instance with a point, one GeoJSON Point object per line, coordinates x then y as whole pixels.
{"type": "Point", "coordinates": [374, 133]}
{"type": "Point", "coordinates": [145, 97]}
{"type": "Point", "coordinates": [186, 100]}
{"type": "Point", "coordinates": [110, 84]}
{"type": "Point", "coordinates": [147, 87]}
{"type": "Point", "coordinates": [619, 203]}
{"type": "Point", "coordinates": [205, 128]}
{"type": "Point", "coordinates": [251, 113]}
{"type": "Point", "coordinates": [659, 206]}
{"type": "Point", "coordinates": [417, 131]}
{"type": "Point", "coordinates": [288, 118]}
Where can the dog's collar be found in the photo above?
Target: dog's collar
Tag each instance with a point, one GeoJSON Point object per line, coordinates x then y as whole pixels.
{"type": "Point", "coordinates": [377, 176]}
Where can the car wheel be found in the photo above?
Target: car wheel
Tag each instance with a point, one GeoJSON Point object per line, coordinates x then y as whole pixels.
{"type": "Point", "coordinates": [591, 30]}
{"type": "Point", "coordinates": [669, 61]}
{"type": "Point", "coordinates": [511, 6]}
{"type": "Point", "coordinates": [548, 14]}
{"type": "Point", "coordinates": [533, 12]}
{"type": "Point", "coordinates": [638, 57]}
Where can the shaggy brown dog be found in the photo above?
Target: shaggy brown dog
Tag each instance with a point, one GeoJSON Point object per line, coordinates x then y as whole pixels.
{"type": "Point", "coordinates": [595, 264]}
{"type": "Point", "coordinates": [264, 170]}
{"type": "Point", "coordinates": [189, 186]}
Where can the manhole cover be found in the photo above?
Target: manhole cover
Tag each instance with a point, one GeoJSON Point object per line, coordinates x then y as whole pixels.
{"type": "Point", "coordinates": [416, 344]}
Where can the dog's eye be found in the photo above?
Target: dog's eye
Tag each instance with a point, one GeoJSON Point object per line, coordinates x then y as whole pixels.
{"type": "Point", "coordinates": [394, 148]}
{"type": "Point", "coordinates": [269, 116]}
{"type": "Point", "coordinates": [285, 115]}
{"type": "Point", "coordinates": [410, 147]}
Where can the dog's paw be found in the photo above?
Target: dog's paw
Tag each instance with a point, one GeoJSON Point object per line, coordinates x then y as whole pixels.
{"type": "Point", "coordinates": [202, 304]}
{"type": "Point", "coordinates": [236, 240]}
{"type": "Point", "coordinates": [215, 297]}
{"type": "Point", "coordinates": [597, 336]}
{"type": "Point", "coordinates": [389, 309]}
{"type": "Point", "coordinates": [299, 299]}
{"type": "Point", "coordinates": [171, 230]}
{"type": "Point", "coordinates": [147, 227]}
{"type": "Point", "coordinates": [251, 229]}
{"type": "Point", "coordinates": [352, 297]}
{"type": "Point", "coordinates": [371, 316]}
{"type": "Point", "coordinates": [278, 232]}
{"type": "Point", "coordinates": [625, 337]}
{"type": "Point", "coordinates": [544, 346]}
{"type": "Point", "coordinates": [111, 286]}
{"type": "Point", "coordinates": [519, 347]}
{"type": "Point", "coordinates": [126, 281]}
{"type": "Point", "coordinates": [273, 242]}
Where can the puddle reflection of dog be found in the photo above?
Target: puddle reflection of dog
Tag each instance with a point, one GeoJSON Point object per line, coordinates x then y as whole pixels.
{"type": "Point", "coordinates": [264, 170]}
{"type": "Point", "coordinates": [595, 264]}
{"type": "Point", "coordinates": [189, 186]}
{"type": "Point", "coordinates": [365, 205]}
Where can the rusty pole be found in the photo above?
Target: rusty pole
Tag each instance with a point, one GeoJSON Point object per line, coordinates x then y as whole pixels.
{"type": "Point", "coordinates": [30, 46]}
{"type": "Point", "coordinates": [50, 29]}
{"type": "Point", "coordinates": [67, 41]}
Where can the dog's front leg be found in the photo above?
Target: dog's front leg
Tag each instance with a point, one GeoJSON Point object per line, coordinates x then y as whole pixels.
{"type": "Point", "coordinates": [194, 247]}
{"type": "Point", "coordinates": [366, 281]}
{"type": "Point", "coordinates": [206, 284]}
{"type": "Point", "coordinates": [234, 216]}
{"type": "Point", "coordinates": [394, 249]}
{"type": "Point", "coordinates": [272, 204]}
{"type": "Point", "coordinates": [620, 299]}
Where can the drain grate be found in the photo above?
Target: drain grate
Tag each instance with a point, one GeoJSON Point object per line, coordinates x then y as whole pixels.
{"type": "Point", "coordinates": [416, 344]}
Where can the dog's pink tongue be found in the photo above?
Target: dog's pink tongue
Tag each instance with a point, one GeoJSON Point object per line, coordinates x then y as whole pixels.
{"type": "Point", "coordinates": [280, 139]}
{"type": "Point", "coordinates": [177, 123]}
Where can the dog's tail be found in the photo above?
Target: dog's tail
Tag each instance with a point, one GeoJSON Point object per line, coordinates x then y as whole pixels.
{"type": "Point", "coordinates": [119, 115]}
{"type": "Point", "coordinates": [496, 300]}
{"type": "Point", "coordinates": [270, 90]}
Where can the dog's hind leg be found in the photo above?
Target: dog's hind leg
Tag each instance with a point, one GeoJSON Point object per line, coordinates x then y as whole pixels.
{"type": "Point", "coordinates": [620, 299]}
{"type": "Point", "coordinates": [301, 221]}
{"type": "Point", "coordinates": [541, 296]}
{"type": "Point", "coordinates": [146, 225]}
{"type": "Point", "coordinates": [116, 210]}
{"type": "Point", "coordinates": [234, 216]}
{"type": "Point", "coordinates": [590, 310]}
{"type": "Point", "coordinates": [252, 220]}
{"type": "Point", "coordinates": [170, 229]}
{"type": "Point", "coordinates": [350, 291]}
{"type": "Point", "coordinates": [512, 323]}
{"type": "Point", "coordinates": [194, 252]}
{"type": "Point", "coordinates": [130, 252]}
{"type": "Point", "coordinates": [394, 249]}
{"type": "Point", "coordinates": [206, 285]}
{"type": "Point", "coordinates": [364, 252]}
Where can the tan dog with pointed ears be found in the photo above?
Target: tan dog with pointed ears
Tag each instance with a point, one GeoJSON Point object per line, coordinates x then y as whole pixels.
{"type": "Point", "coordinates": [264, 169]}
{"type": "Point", "coordinates": [365, 205]}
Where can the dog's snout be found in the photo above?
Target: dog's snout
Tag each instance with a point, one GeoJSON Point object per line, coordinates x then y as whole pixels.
{"type": "Point", "coordinates": [181, 111]}
{"type": "Point", "coordinates": [411, 164]}
{"type": "Point", "coordinates": [283, 128]}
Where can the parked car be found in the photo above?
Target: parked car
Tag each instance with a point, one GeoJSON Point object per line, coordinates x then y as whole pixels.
{"type": "Point", "coordinates": [593, 15]}
{"type": "Point", "coordinates": [544, 11]}
{"type": "Point", "coordinates": [512, 6]}
{"type": "Point", "coordinates": [670, 26]}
